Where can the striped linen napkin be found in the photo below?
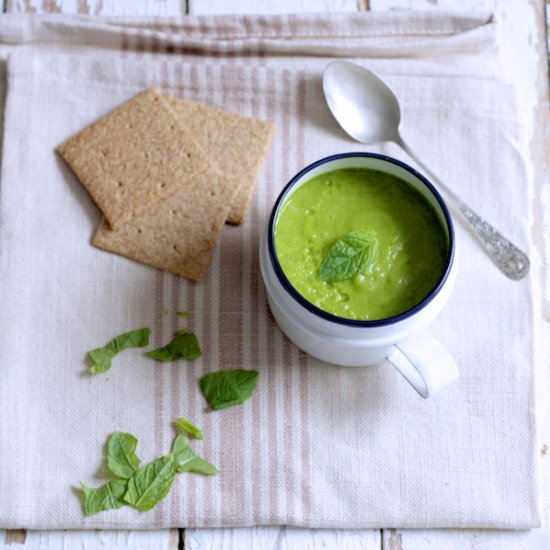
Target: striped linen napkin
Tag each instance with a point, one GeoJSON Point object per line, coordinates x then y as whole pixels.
{"type": "Point", "coordinates": [317, 445]}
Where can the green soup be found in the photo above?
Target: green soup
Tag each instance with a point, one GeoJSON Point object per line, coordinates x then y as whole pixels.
{"type": "Point", "coordinates": [411, 244]}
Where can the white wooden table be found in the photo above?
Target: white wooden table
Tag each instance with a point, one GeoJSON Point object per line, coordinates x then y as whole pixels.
{"type": "Point", "coordinates": [524, 24]}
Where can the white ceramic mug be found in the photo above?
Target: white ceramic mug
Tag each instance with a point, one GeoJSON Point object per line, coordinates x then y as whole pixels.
{"type": "Point", "coordinates": [403, 339]}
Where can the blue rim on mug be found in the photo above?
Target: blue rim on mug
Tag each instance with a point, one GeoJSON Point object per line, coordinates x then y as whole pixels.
{"type": "Point", "coordinates": [287, 285]}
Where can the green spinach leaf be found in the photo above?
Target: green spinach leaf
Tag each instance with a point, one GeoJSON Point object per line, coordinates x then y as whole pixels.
{"type": "Point", "coordinates": [188, 428]}
{"type": "Point", "coordinates": [349, 256]}
{"type": "Point", "coordinates": [149, 485]}
{"type": "Point", "coordinates": [121, 455]}
{"type": "Point", "coordinates": [106, 497]}
{"type": "Point", "coordinates": [228, 387]}
{"type": "Point", "coordinates": [184, 346]}
{"type": "Point", "coordinates": [101, 358]}
{"type": "Point", "coordinates": [187, 461]}
{"type": "Point", "coordinates": [142, 487]}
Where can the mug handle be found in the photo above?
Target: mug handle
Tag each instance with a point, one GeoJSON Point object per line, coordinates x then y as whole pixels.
{"type": "Point", "coordinates": [424, 362]}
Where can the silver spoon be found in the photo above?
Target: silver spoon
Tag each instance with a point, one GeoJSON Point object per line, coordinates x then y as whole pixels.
{"type": "Point", "coordinates": [369, 112]}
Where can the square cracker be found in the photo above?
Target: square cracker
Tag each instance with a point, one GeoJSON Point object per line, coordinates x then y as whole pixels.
{"type": "Point", "coordinates": [177, 235]}
{"type": "Point", "coordinates": [133, 157]}
{"type": "Point", "coordinates": [238, 145]}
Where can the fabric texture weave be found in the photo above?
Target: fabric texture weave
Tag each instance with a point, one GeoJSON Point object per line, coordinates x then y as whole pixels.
{"type": "Point", "coordinates": [317, 445]}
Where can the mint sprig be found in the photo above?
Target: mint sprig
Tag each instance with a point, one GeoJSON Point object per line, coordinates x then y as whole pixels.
{"type": "Point", "coordinates": [188, 461]}
{"type": "Point", "coordinates": [351, 255]}
{"type": "Point", "coordinates": [106, 497]}
{"type": "Point", "coordinates": [149, 485]}
{"type": "Point", "coordinates": [143, 487]}
{"type": "Point", "coordinates": [101, 358]}
{"type": "Point", "coordinates": [190, 429]}
{"type": "Point", "coordinates": [184, 345]}
{"type": "Point", "coordinates": [122, 460]}
{"type": "Point", "coordinates": [228, 387]}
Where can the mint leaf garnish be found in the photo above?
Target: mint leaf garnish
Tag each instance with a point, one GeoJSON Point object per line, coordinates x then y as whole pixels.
{"type": "Point", "coordinates": [149, 485]}
{"type": "Point", "coordinates": [187, 461]}
{"type": "Point", "coordinates": [228, 387]}
{"type": "Point", "coordinates": [122, 460]}
{"type": "Point", "coordinates": [184, 346]}
{"type": "Point", "coordinates": [143, 487]}
{"type": "Point", "coordinates": [101, 358]}
{"type": "Point", "coordinates": [349, 256]}
{"type": "Point", "coordinates": [106, 497]}
{"type": "Point", "coordinates": [188, 428]}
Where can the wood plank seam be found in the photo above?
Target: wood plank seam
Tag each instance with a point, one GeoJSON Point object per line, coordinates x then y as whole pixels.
{"type": "Point", "coordinates": [394, 541]}
{"type": "Point", "coordinates": [546, 13]}
{"type": "Point", "coordinates": [15, 536]}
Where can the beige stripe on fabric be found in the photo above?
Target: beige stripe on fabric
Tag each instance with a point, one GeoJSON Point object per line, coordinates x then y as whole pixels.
{"type": "Point", "coordinates": [295, 490]}
{"type": "Point", "coordinates": [176, 374]}
{"type": "Point", "coordinates": [278, 473]}
{"type": "Point", "coordinates": [211, 297]}
{"type": "Point", "coordinates": [157, 341]}
{"type": "Point", "coordinates": [191, 403]}
{"type": "Point", "coordinates": [182, 382]}
{"type": "Point", "coordinates": [289, 366]}
{"type": "Point", "coordinates": [286, 365]}
{"type": "Point", "coordinates": [274, 339]}
{"type": "Point", "coordinates": [258, 437]}
{"type": "Point", "coordinates": [245, 242]}
{"type": "Point", "coordinates": [188, 81]}
{"type": "Point", "coordinates": [305, 456]}
{"type": "Point", "coordinates": [284, 382]}
{"type": "Point", "coordinates": [252, 437]}
{"type": "Point", "coordinates": [161, 335]}
{"type": "Point", "coordinates": [167, 429]}
{"type": "Point", "coordinates": [193, 82]}
{"type": "Point", "coordinates": [261, 418]}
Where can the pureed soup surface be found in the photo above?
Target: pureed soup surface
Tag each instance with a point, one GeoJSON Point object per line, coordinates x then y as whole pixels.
{"type": "Point", "coordinates": [412, 246]}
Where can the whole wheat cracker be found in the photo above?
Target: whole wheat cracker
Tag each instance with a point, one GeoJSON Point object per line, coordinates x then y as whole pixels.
{"type": "Point", "coordinates": [134, 157]}
{"type": "Point", "coordinates": [237, 144]}
{"type": "Point", "coordinates": [176, 235]}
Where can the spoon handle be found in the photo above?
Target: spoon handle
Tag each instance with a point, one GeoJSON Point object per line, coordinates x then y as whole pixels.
{"type": "Point", "coordinates": [508, 258]}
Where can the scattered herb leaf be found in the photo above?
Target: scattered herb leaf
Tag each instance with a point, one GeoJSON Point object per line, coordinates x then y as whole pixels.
{"type": "Point", "coordinates": [228, 387]}
{"type": "Point", "coordinates": [189, 428]}
{"type": "Point", "coordinates": [144, 487]}
{"type": "Point", "coordinates": [121, 455]}
{"type": "Point", "coordinates": [182, 313]}
{"type": "Point", "coordinates": [149, 485]}
{"type": "Point", "coordinates": [101, 357]}
{"type": "Point", "coordinates": [183, 346]}
{"type": "Point", "coordinates": [188, 461]}
{"type": "Point", "coordinates": [106, 497]}
{"type": "Point", "coordinates": [349, 256]}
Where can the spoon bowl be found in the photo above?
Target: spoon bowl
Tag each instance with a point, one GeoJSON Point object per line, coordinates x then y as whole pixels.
{"type": "Point", "coordinates": [362, 103]}
{"type": "Point", "coordinates": [368, 110]}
